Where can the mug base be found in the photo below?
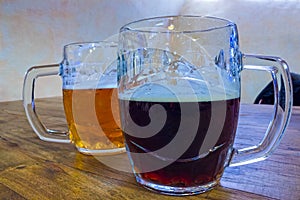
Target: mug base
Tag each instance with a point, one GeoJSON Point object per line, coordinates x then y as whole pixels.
{"type": "Point", "coordinates": [101, 152]}
{"type": "Point", "coordinates": [177, 191]}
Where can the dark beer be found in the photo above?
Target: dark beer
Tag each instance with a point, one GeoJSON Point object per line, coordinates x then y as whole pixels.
{"type": "Point", "coordinates": [189, 169]}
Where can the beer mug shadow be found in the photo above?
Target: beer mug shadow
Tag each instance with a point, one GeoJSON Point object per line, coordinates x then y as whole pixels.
{"type": "Point", "coordinates": [118, 162]}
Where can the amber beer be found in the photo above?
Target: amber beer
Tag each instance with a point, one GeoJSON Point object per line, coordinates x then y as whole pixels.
{"type": "Point", "coordinates": [93, 118]}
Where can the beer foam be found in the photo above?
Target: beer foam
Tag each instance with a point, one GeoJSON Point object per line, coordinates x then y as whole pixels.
{"type": "Point", "coordinates": [164, 76]}
{"type": "Point", "coordinates": [91, 76]}
{"type": "Point", "coordinates": [178, 93]}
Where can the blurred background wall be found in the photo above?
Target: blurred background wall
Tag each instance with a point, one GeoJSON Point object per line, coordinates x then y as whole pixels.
{"type": "Point", "coordinates": [33, 32]}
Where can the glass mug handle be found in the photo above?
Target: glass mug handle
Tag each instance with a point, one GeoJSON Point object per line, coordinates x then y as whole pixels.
{"type": "Point", "coordinates": [281, 113]}
{"type": "Point", "coordinates": [39, 128]}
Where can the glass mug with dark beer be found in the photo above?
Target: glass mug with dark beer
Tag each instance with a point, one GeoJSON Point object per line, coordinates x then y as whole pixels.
{"type": "Point", "coordinates": [179, 95]}
{"type": "Point", "coordinates": [89, 76]}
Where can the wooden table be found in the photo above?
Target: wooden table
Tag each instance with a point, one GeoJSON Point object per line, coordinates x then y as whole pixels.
{"type": "Point", "coordinates": [33, 169]}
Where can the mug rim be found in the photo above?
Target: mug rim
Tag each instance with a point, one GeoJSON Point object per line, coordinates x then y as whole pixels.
{"type": "Point", "coordinates": [227, 23]}
{"type": "Point", "coordinates": [102, 44]}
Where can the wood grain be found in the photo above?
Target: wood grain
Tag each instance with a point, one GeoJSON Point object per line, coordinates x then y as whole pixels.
{"type": "Point", "coordinates": [33, 169]}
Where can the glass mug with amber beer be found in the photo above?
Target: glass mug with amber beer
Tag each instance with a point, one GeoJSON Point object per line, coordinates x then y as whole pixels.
{"type": "Point", "coordinates": [179, 84]}
{"type": "Point", "coordinates": [89, 87]}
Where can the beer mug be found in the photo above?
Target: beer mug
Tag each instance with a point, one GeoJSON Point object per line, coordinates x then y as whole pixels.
{"type": "Point", "coordinates": [179, 84]}
{"type": "Point", "coordinates": [89, 88]}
